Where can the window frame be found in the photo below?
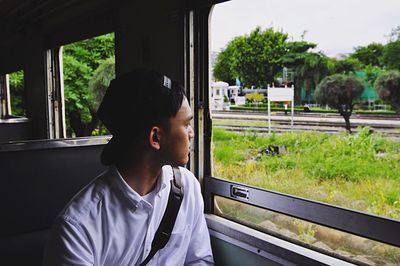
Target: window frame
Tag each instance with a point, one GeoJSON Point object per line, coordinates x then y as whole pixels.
{"type": "Point", "coordinates": [55, 94]}
{"type": "Point", "coordinates": [56, 116]}
{"type": "Point", "coordinates": [5, 102]}
{"type": "Point", "coordinates": [343, 219]}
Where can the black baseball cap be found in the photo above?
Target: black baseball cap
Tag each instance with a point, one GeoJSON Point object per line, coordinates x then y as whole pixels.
{"type": "Point", "coordinates": [132, 104]}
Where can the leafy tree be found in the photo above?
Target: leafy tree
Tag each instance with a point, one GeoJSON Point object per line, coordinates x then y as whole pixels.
{"type": "Point", "coordinates": [372, 73]}
{"type": "Point", "coordinates": [86, 98]}
{"type": "Point", "coordinates": [297, 48]}
{"type": "Point", "coordinates": [78, 106]}
{"type": "Point", "coordinates": [308, 67]}
{"type": "Point", "coordinates": [101, 79]}
{"type": "Point", "coordinates": [343, 66]}
{"type": "Point", "coordinates": [391, 52]}
{"type": "Point", "coordinates": [315, 68]}
{"type": "Point", "coordinates": [98, 85]}
{"type": "Point", "coordinates": [388, 87]}
{"type": "Point", "coordinates": [339, 91]}
{"type": "Point", "coordinates": [223, 68]}
{"type": "Point", "coordinates": [259, 57]}
{"type": "Point", "coordinates": [391, 55]}
{"type": "Point", "coordinates": [81, 59]}
{"type": "Point", "coordinates": [255, 58]}
{"type": "Point", "coordinates": [394, 34]}
{"type": "Point", "coordinates": [92, 51]}
{"type": "Point", "coordinates": [372, 54]}
{"type": "Point", "coordinates": [17, 92]}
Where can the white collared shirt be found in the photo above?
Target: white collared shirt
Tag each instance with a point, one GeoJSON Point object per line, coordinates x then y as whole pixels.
{"type": "Point", "coordinates": [108, 223]}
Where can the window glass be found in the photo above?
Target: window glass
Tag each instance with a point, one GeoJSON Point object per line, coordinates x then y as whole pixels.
{"type": "Point", "coordinates": [88, 66]}
{"type": "Point", "coordinates": [17, 93]}
{"type": "Point", "coordinates": [316, 113]}
{"type": "Point", "coordinates": [346, 246]}
{"type": "Point", "coordinates": [14, 124]}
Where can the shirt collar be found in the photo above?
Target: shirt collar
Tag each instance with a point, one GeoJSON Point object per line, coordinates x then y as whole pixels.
{"type": "Point", "coordinates": [133, 198]}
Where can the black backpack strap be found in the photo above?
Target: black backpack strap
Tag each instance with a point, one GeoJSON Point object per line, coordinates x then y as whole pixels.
{"type": "Point", "coordinates": [164, 230]}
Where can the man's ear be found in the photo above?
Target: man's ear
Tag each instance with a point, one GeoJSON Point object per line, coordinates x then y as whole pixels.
{"type": "Point", "coordinates": [155, 137]}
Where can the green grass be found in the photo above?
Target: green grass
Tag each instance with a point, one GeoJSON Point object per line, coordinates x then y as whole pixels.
{"type": "Point", "coordinates": [234, 122]}
{"type": "Point", "coordinates": [360, 171]}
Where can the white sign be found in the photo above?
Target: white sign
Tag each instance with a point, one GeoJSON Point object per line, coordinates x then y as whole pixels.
{"type": "Point", "coordinates": [280, 94]}
{"type": "Point", "coordinates": [284, 94]}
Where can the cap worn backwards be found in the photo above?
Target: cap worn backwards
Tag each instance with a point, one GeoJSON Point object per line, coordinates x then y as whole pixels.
{"type": "Point", "coordinates": [133, 103]}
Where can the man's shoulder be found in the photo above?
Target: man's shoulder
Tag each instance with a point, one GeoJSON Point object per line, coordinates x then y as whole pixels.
{"type": "Point", "coordinates": [86, 200]}
{"type": "Point", "coordinates": [187, 173]}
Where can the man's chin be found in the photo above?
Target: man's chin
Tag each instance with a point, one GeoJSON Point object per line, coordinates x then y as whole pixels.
{"type": "Point", "coordinates": [177, 164]}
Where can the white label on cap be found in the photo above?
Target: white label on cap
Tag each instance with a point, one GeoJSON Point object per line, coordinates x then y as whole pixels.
{"type": "Point", "coordinates": [167, 82]}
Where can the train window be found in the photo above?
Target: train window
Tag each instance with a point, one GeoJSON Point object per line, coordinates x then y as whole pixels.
{"type": "Point", "coordinates": [89, 66]}
{"type": "Point", "coordinates": [283, 125]}
{"type": "Point", "coordinates": [17, 93]}
{"type": "Point", "coordinates": [14, 124]}
{"type": "Point", "coordinates": [13, 95]}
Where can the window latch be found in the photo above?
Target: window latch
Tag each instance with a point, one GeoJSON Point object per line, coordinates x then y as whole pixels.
{"type": "Point", "coordinates": [239, 192]}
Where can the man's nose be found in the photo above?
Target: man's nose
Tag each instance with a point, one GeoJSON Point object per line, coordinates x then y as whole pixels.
{"type": "Point", "coordinates": [191, 133]}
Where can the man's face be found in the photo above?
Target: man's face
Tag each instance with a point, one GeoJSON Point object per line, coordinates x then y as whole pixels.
{"type": "Point", "coordinates": [176, 144]}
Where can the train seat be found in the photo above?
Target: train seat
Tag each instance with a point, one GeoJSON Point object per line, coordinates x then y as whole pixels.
{"type": "Point", "coordinates": [38, 178]}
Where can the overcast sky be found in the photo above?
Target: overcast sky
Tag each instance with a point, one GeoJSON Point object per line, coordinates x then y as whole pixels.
{"type": "Point", "coordinates": [337, 26]}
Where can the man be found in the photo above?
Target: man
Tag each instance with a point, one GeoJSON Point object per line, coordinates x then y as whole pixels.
{"type": "Point", "coordinates": [114, 219]}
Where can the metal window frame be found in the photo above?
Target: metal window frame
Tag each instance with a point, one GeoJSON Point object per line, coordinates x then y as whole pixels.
{"type": "Point", "coordinates": [355, 222]}
{"type": "Point", "coordinates": [196, 79]}
{"type": "Point", "coordinates": [55, 93]}
{"type": "Point", "coordinates": [5, 102]}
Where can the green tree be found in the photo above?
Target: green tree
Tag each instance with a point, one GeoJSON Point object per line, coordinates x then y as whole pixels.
{"type": "Point", "coordinates": [92, 51]}
{"type": "Point", "coordinates": [101, 79]}
{"type": "Point", "coordinates": [343, 66]}
{"type": "Point", "coordinates": [17, 93]}
{"type": "Point", "coordinates": [391, 55]}
{"type": "Point", "coordinates": [223, 68]}
{"type": "Point", "coordinates": [98, 85]}
{"type": "Point", "coordinates": [78, 106]}
{"type": "Point", "coordinates": [394, 34]}
{"type": "Point", "coordinates": [388, 87]}
{"type": "Point", "coordinates": [372, 54]}
{"type": "Point", "coordinates": [391, 52]}
{"type": "Point", "coordinates": [255, 58]}
{"type": "Point", "coordinates": [308, 67]}
{"type": "Point", "coordinates": [311, 72]}
{"type": "Point", "coordinates": [372, 73]}
{"type": "Point", "coordinates": [81, 59]}
{"type": "Point", "coordinates": [340, 91]}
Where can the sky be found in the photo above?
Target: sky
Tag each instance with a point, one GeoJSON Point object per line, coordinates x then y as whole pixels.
{"type": "Point", "coordinates": [336, 26]}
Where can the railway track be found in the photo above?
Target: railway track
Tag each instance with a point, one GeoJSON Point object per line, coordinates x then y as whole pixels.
{"type": "Point", "coordinates": [282, 129]}
{"type": "Point", "coordinates": [319, 115]}
{"type": "Point", "coordinates": [331, 124]}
